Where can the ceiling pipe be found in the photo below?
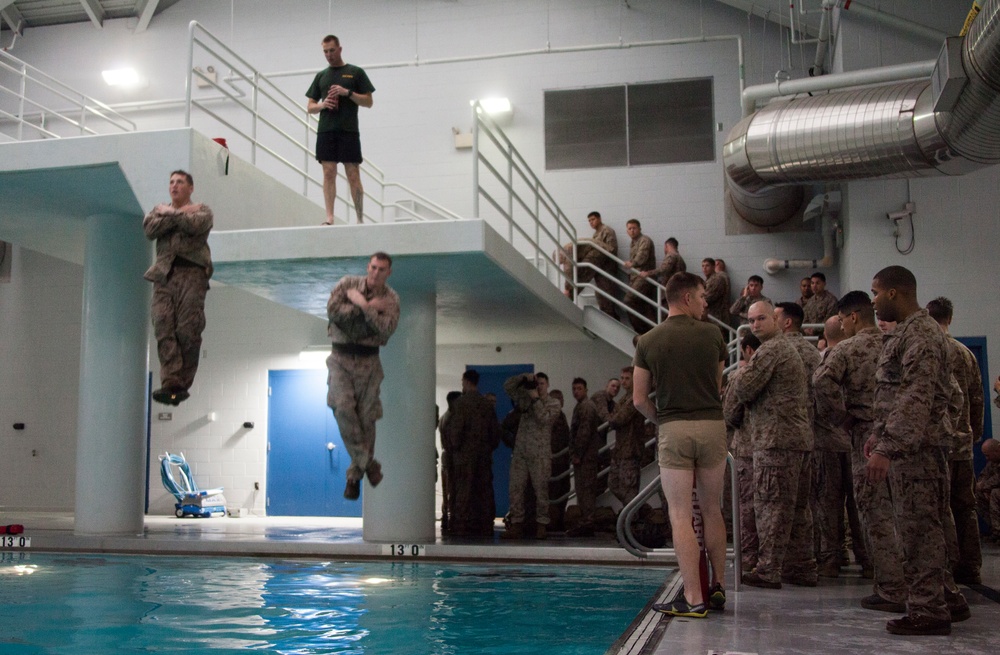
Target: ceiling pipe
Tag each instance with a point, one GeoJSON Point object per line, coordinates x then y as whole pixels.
{"type": "Point", "coordinates": [823, 41]}
{"type": "Point", "coordinates": [895, 22]}
{"type": "Point", "coordinates": [908, 129]}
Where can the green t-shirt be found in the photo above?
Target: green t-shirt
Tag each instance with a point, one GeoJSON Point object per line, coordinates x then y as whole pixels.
{"type": "Point", "coordinates": [345, 117]}
{"type": "Point", "coordinates": [682, 356]}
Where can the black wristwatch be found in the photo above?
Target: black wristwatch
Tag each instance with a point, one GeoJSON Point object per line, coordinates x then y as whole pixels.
{"type": "Point", "coordinates": [350, 93]}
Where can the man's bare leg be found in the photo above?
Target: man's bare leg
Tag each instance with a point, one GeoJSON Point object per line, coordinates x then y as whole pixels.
{"type": "Point", "coordinates": [677, 485]}
{"type": "Point", "coordinates": [353, 173]}
{"type": "Point", "coordinates": [710, 485]}
{"type": "Point", "coordinates": [329, 188]}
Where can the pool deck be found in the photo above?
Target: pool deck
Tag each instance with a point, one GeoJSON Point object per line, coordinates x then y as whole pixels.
{"type": "Point", "coordinates": [793, 620]}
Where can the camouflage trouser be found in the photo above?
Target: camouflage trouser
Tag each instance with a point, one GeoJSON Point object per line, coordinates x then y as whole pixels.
{"type": "Point", "coordinates": [464, 497]}
{"type": "Point", "coordinates": [635, 299]}
{"type": "Point", "coordinates": [784, 522]}
{"type": "Point", "coordinates": [353, 396]}
{"type": "Point", "coordinates": [531, 461]}
{"type": "Point", "coordinates": [875, 507]}
{"type": "Point", "coordinates": [919, 483]}
{"type": "Point", "coordinates": [988, 502]}
{"type": "Point", "coordinates": [586, 274]}
{"type": "Point", "coordinates": [623, 478]}
{"type": "Point", "coordinates": [585, 483]}
{"type": "Point", "coordinates": [963, 510]}
{"type": "Point", "coordinates": [831, 486]}
{"type": "Point", "coordinates": [178, 312]}
{"type": "Point", "coordinates": [749, 543]}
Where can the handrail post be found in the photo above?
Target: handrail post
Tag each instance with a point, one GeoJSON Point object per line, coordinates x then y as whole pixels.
{"type": "Point", "coordinates": [305, 159]}
{"type": "Point", "coordinates": [510, 194]}
{"type": "Point", "coordinates": [475, 159]}
{"type": "Point", "coordinates": [253, 127]}
{"type": "Point", "coordinates": [20, 109]}
{"type": "Point", "coordinates": [187, 79]}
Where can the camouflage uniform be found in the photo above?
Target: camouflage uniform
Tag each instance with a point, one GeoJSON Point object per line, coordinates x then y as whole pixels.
{"type": "Point", "coordinates": [845, 395]}
{"type": "Point", "coordinates": [643, 258]}
{"type": "Point", "coordinates": [469, 437]}
{"type": "Point", "coordinates": [741, 448]}
{"type": "Point", "coordinates": [820, 307]}
{"type": "Point", "coordinates": [773, 390]}
{"type": "Point", "coordinates": [584, 443]}
{"type": "Point", "coordinates": [832, 474]}
{"type": "Point", "coordinates": [532, 458]}
{"type": "Point", "coordinates": [605, 405]}
{"type": "Point", "coordinates": [604, 237]}
{"type": "Point", "coordinates": [988, 497]}
{"type": "Point", "coordinates": [560, 464]}
{"type": "Point", "coordinates": [180, 282]}
{"type": "Point", "coordinates": [672, 263]}
{"type": "Point", "coordinates": [626, 455]}
{"type": "Point", "coordinates": [355, 367]}
{"type": "Point", "coordinates": [738, 310]}
{"type": "Point", "coordinates": [911, 426]}
{"type": "Point", "coordinates": [967, 428]}
{"type": "Point", "coordinates": [717, 296]}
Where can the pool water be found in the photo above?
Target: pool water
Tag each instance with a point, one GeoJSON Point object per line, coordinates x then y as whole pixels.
{"type": "Point", "coordinates": [82, 604]}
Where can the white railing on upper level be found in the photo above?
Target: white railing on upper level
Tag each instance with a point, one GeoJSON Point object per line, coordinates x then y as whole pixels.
{"type": "Point", "coordinates": [27, 96]}
{"type": "Point", "coordinates": [279, 127]}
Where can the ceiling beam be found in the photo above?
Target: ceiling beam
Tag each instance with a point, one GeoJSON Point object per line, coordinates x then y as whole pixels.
{"type": "Point", "coordinates": [12, 16]}
{"type": "Point", "coordinates": [95, 11]}
{"type": "Point", "coordinates": [145, 9]}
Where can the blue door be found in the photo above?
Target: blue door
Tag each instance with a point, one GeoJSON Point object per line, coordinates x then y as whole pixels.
{"type": "Point", "coordinates": [978, 347]}
{"type": "Point", "coordinates": [306, 460]}
{"type": "Point", "coordinates": [491, 379]}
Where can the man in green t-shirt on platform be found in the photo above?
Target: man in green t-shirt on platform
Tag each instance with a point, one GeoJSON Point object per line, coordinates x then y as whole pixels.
{"type": "Point", "coordinates": [335, 94]}
{"type": "Point", "coordinates": [683, 359]}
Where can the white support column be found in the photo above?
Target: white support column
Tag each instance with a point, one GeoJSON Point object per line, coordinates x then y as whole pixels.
{"type": "Point", "coordinates": [401, 509]}
{"type": "Point", "coordinates": [110, 461]}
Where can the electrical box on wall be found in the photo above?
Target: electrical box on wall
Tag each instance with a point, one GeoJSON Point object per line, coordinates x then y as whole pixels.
{"type": "Point", "coordinates": [6, 254]}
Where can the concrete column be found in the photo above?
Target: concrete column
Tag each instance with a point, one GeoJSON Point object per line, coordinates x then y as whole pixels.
{"type": "Point", "coordinates": [111, 432]}
{"type": "Point", "coordinates": [401, 509]}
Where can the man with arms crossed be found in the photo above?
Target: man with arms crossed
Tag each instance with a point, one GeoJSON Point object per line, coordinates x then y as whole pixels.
{"type": "Point", "coordinates": [683, 357]}
{"type": "Point", "coordinates": [335, 94]}
{"type": "Point", "coordinates": [364, 313]}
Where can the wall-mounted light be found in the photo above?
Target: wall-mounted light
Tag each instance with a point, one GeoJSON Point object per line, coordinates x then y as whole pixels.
{"type": "Point", "coordinates": [496, 106]}
{"type": "Point", "coordinates": [314, 356]}
{"type": "Point", "coordinates": [124, 77]}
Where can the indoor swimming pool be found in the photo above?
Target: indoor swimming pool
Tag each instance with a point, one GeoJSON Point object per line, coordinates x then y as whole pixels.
{"type": "Point", "coordinates": [68, 603]}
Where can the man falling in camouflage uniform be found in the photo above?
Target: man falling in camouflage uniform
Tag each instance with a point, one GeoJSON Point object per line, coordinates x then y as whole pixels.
{"type": "Point", "coordinates": [630, 442]}
{"type": "Point", "coordinates": [967, 428]}
{"type": "Point", "coordinates": [364, 312]}
{"type": "Point", "coordinates": [532, 457]}
{"type": "Point", "coordinates": [641, 259]}
{"type": "Point", "coordinates": [180, 282]}
{"type": "Point", "coordinates": [906, 447]}
{"type": "Point", "coordinates": [773, 389]}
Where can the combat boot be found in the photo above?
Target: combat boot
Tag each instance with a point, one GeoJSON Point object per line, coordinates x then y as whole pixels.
{"type": "Point", "coordinates": [374, 472]}
{"type": "Point", "coordinates": [515, 531]}
{"type": "Point", "coordinates": [541, 532]}
{"type": "Point", "coordinates": [919, 625]}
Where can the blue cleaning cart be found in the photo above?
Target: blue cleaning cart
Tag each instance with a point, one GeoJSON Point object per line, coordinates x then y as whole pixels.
{"type": "Point", "coordinates": [191, 501]}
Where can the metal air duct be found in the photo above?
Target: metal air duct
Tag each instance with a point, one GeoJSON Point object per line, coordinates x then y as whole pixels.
{"type": "Point", "coordinates": [879, 132]}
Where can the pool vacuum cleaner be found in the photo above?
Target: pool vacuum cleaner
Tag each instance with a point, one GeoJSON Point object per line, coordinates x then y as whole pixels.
{"type": "Point", "coordinates": [191, 501]}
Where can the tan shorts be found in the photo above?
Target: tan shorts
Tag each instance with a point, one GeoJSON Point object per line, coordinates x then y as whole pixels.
{"type": "Point", "coordinates": [688, 445]}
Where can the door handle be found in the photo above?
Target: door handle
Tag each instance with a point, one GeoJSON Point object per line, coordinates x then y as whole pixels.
{"type": "Point", "coordinates": [330, 445]}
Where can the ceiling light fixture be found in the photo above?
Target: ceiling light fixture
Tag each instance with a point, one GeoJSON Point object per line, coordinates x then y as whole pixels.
{"type": "Point", "coordinates": [121, 77]}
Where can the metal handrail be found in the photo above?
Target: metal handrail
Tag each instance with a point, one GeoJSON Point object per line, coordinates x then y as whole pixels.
{"type": "Point", "coordinates": [632, 545]}
{"type": "Point", "coordinates": [279, 139]}
{"type": "Point", "coordinates": [81, 105]}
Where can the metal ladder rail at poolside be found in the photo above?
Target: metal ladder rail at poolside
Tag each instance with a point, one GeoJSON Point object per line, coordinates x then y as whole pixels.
{"type": "Point", "coordinates": [632, 545]}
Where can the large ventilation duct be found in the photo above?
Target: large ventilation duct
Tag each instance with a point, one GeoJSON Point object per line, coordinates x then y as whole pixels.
{"type": "Point", "coordinates": [880, 132]}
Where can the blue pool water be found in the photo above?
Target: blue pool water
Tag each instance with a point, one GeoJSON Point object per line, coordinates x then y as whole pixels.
{"type": "Point", "coordinates": [83, 604]}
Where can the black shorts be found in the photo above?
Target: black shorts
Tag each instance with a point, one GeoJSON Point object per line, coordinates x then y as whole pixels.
{"type": "Point", "coordinates": [343, 147]}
